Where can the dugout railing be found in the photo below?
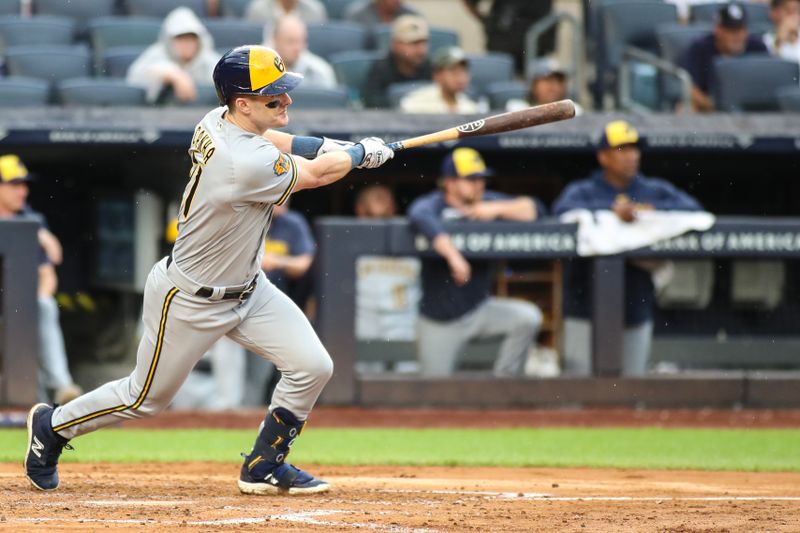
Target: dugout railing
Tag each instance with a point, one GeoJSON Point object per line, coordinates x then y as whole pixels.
{"type": "Point", "coordinates": [342, 240]}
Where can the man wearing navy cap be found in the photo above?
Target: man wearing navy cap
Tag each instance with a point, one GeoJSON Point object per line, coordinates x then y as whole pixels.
{"type": "Point", "coordinates": [456, 306]}
{"type": "Point", "coordinates": [729, 38]}
{"type": "Point", "coordinates": [54, 372]}
{"type": "Point", "coordinates": [617, 186]}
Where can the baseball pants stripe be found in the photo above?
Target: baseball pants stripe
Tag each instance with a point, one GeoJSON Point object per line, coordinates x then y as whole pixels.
{"type": "Point", "coordinates": [150, 374]}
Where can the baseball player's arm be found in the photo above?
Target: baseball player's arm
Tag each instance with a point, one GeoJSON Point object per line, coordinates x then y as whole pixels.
{"type": "Point", "coordinates": [521, 209]}
{"type": "Point", "coordinates": [333, 166]}
{"type": "Point", "coordinates": [48, 280]}
{"type": "Point", "coordinates": [459, 267]}
{"type": "Point", "coordinates": [308, 147]}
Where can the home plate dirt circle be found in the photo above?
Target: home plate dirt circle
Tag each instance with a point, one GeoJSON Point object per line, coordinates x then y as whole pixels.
{"type": "Point", "coordinates": [204, 497]}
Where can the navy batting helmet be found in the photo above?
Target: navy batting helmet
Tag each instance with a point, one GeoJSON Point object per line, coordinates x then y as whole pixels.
{"type": "Point", "coordinates": [252, 69]}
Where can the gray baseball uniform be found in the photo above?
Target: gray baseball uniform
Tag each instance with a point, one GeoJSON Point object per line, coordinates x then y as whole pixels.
{"type": "Point", "coordinates": [235, 180]}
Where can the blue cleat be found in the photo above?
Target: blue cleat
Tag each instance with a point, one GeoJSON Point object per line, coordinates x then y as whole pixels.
{"type": "Point", "coordinates": [282, 479]}
{"type": "Point", "coordinates": [44, 448]}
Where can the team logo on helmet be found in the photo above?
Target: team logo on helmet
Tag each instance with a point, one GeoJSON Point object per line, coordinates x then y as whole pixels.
{"type": "Point", "coordinates": [279, 64]}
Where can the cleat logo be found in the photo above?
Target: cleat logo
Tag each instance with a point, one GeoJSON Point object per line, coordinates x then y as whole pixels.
{"type": "Point", "coordinates": [37, 447]}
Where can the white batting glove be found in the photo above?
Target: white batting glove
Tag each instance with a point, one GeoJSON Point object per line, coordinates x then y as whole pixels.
{"type": "Point", "coordinates": [376, 152]}
{"type": "Point", "coordinates": [333, 145]}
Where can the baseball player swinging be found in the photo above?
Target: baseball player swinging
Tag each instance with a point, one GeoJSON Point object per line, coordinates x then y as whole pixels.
{"type": "Point", "coordinates": [212, 284]}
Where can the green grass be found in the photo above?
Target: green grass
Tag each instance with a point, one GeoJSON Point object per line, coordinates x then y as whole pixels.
{"type": "Point", "coordinates": [649, 448]}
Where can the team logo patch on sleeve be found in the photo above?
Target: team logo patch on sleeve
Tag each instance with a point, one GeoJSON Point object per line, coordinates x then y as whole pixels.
{"type": "Point", "coordinates": [281, 166]}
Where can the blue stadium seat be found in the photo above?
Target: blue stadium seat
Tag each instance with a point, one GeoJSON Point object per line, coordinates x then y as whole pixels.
{"type": "Point", "coordinates": [337, 9]}
{"type": "Point", "coordinates": [160, 8]}
{"type": "Point", "coordinates": [230, 33]}
{"type": "Point", "coordinates": [336, 36]}
{"type": "Point", "coordinates": [439, 38]}
{"type": "Point", "coordinates": [51, 63]}
{"type": "Point", "coordinates": [487, 68]}
{"type": "Point", "coordinates": [352, 69]}
{"type": "Point", "coordinates": [18, 91]}
{"type": "Point", "coordinates": [397, 91]}
{"type": "Point", "coordinates": [233, 8]}
{"type": "Point", "coordinates": [751, 83]}
{"type": "Point", "coordinates": [10, 7]}
{"type": "Point", "coordinates": [674, 39]}
{"type": "Point", "coordinates": [311, 97]}
{"type": "Point", "coordinates": [80, 10]}
{"type": "Point", "coordinates": [757, 13]}
{"type": "Point", "coordinates": [109, 32]}
{"type": "Point", "coordinates": [44, 29]}
{"type": "Point", "coordinates": [99, 92]}
{"type": "Point", "coordinates": [789, 99]}
{"type": "Point", "coordinates": [117, 59]}
{"type": "Point", "coordinates": [500, 92]}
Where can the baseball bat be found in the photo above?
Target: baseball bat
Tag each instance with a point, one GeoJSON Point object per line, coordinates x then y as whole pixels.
{"type": "Point", "coordinates": [513, 120]}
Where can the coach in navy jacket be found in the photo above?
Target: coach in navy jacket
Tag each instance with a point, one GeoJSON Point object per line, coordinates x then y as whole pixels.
{"type": "Point", "coordinates": [620, 187]}
{"type": "Point", "coordinates": [456, 304]}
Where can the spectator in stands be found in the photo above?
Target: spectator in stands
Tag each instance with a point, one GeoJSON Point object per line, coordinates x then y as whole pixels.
{"type": "Point", "coordinates": [288, 253]}
{"type": "Point", "coordinates": [447, 92]}
{"type": "Point", "coordinates": [549, 83]}
{"type": "Point", "coordinates": [181, 59]}
{"type": "Point", "coordinates": [290, 39]}
{"type": "Point", "coordinates": [269, 12]}
{"type": "Point", "coordinates": [371, 13]}
{"type": "Point", "coordinates": [456, 306]}
{"type": "Point", "coordinates": [784, 41]}
{"type": "Point", "coordinates": [407, 60]}
{"type": "Point", "coordinates": [620, 187]}
{"type": "Point", "coordinates": [54, 372]}
{"type": "Point", "coordinates": [729, 38]}
{"type": "Point", "coordinates": [375, 201]}
{"type": "Point", "coordinates": [506, 23]}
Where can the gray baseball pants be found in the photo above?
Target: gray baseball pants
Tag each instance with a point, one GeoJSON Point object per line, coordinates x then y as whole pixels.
{"type": "Point", "coordinates": [180, 327]}
{"type": "Point", "coordinates": [577, 348]}
{"type": "Point", "coordinates": [439, 344]}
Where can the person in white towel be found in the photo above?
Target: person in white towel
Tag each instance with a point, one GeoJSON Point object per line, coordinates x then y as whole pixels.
{"type": "Point", "coordinates": [617, 186]}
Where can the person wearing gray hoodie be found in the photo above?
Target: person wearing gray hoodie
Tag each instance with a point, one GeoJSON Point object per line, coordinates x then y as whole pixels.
{"type": "Point", "coordinates": [181, 59]}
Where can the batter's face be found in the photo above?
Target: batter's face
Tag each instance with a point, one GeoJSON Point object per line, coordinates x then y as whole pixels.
{"type": "Point", "coordinates": [13, 196]}
{"type": "Point", "coordinates": [265, 112]}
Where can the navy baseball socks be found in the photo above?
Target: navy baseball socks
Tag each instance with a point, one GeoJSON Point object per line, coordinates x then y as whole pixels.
{"type": "Point", "coordinates": [44, 448]}
{"type": "Point", "coordinates": [264, 470]}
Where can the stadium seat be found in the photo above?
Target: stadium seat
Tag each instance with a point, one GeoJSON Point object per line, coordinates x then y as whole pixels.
{"type": "Point", "coordinates": [109, 32]}
{"type": "Point", "coordinates": [352, 69]}
{"type": "Point", "coordinates": [117, 59]}
{"type": "Point", "coordinates": [230, 33]}
{"type": "Point", "coordinates": [674, 39]}
{"type": "Point", "coordinates": [9, 7]}
{"type": "Point", "coordinates": [487, 68]}
{"type": "Point", "coordinates": [79, 10]}
{"type": "Point", "coordinates": [44, 29]}
{"type": "Point", "coordinates": [233, 8]}
{"type": "Point", "coordinates": [397, 91]}
{"type": "Point", "coordinates": [18, 91]}
{"type": "Point", "coordinates": [750, 83]}
{"type": "Point", "coordinates": [160, 8]}
{"type": "Point", "coordinates": [439, 38]}
{"type": "Point", "coordinates": [757, 13]}
{"type": "Point", "coordinates": [319, 98]}
{"type": "Point", "coordinates": [789, 99]}
{"type": "Point", "coordinates": [206, 97]}
{"type": "Point", "coordinates": [500, 92]}
{"type": "Point", "coordinates": [51, 63]}
{"type": "Point", "coordinates": [337, 9]}
{"type": "Point", "coordinates": [336, 36]}
{"type": "Point", "coordinates": [99, 92]}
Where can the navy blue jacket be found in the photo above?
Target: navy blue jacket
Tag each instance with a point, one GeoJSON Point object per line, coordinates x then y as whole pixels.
{"type": "Point", "coordinates": [595, 193]}
{"type": "Point", "coordinates": [699, 58]}
{"type": "Point", "coordinates": [442, 299]}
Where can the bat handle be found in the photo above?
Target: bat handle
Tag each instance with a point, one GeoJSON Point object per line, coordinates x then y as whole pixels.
{"type": "Point", "coordinates": [396, 146]}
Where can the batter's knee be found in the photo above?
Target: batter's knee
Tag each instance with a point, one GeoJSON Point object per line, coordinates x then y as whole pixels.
{"type": "Point", "coordinates": [321, 369]}
{"type": "Point", "coordinates": [527, 316]}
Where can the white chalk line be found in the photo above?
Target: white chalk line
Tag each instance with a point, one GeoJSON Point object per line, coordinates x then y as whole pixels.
{"type": "Point", "coordinates": [540, 496]}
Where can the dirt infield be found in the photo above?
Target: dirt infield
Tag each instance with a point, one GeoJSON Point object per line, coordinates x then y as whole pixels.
{"type": "Point", "coordinates": [399, 499]}
{"type": "Point", "coordinates": [204, 497]}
